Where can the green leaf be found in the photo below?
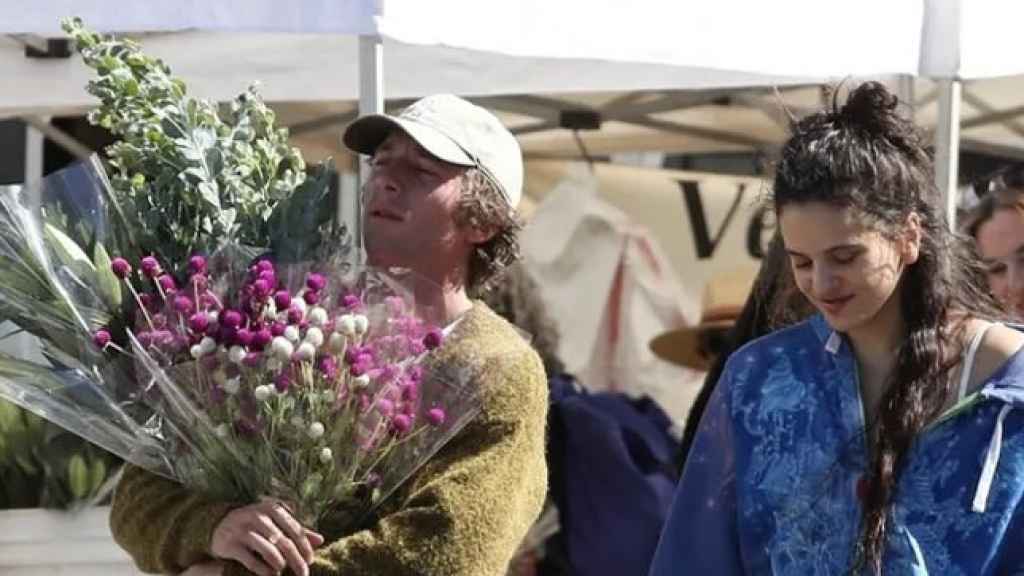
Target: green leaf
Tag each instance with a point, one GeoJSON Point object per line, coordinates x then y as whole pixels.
{"type": "Point", "coordinates": [209, 193]}
{"type": "Point", "coordinates": [108, 284]}
{"type": "Point", "coordinates": [98, 475]}
{"type": "Point", "coordinates": [78, 477]}
{"type": "Point", "coordinates": [68, 251]}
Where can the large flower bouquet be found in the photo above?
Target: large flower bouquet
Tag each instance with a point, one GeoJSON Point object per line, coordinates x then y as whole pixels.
{"type": "Point", "coordinates": [195, 313]}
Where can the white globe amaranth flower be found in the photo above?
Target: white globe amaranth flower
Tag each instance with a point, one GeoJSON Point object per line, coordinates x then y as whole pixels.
{"type": "Point", "coordinates": [236, 354]}
{"type": "Point", "coordinates": [292, 333]}
{"type": "Point", "coordinates": [196, 351]}
{"type": "Point", "coordinates": [207, 345]}
{"type": "Point", "coordinates": [301, 305]}
{"type": "Point", "coordinates": [315, 431]}
{"type": "Point", "coordinates": [212, 317]}
{"type": "Point", "coordinates": [305, 352]}
{"type": "Point", "coordinates": [221, 431]}
{"type": "Point", "coordinates": [314, 336]}
{"type": "Point", "coordinates": [326, 456]}
{"type": "Point", "coordinates": [281, 348]}
{"type": "Point", "coordinates": [361, 382]}
{"type": "Point", "coordinates": [232, 385]}
{"type": "Point", "coordinates": [362, 324]}
{"type": "Point", "coordinates": [270, 310]}
{"type": "Point", "coordinates": [262, 393]}
{"type": "Point", "coordinates": [346, 324]}
{"type": "Point", "coordinates": [336, 343]}
{"type": "Point", "coordinates": [317, 316]}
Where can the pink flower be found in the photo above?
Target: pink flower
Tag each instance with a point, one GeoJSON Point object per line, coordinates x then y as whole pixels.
{"type": "Point", "coordinates": [277, 328]}
{"type": "Point", "coordinates": [199, 282]}
{"type": "Point", "coordinates": [265, 265]}
{"type": "Point", "coordinates": [197, 264]}
{"type": "Point", "coordinates": [328, 367]}
{"type": "Point", "coordinates": [351, 301]}
{"type": "Point", "coordinates": [311, 297]}
{"type": "Point", "coordinates": [283, 300]}
{"type": "Point", "coordinates": [435, 416]}
{"type": "Point", "coordinates": [295, 315]}
{"type": "Point", "coordinates": [433, 339]}
{"type": "Point", "coordinates": [101, 338]}
{"type": "Point", "coordinates": [159, 320]}
{"type": "Point", "coordinates": [120, 267]}
{"type": "Point", "coordinates": [261, 288]}
{"type": "Point", "coordinates": [150, 267]}
{"type": "Point", "coordinates": [401, 423]}
{"type": "Point", "coordinates": [262, 338]}
{"type": "Point", "coordinates": [316, 282]}
{"type": "Point", "coordinates": [167, 283]}
{"type": "Point", "coordinates": [199, 322]}
{"type": "Point", "coordinates": [282, 382]}
{"type": "Point", "coordinates": [183, 305]}
{"type": "Point", "coordinates": [252, 359]}
{"type": "Point", "coordinates": [385, 407]}
{"type": "Point", "coordinates": [231, 318]}
{"type": "Point", "coordinates": [243, 337]}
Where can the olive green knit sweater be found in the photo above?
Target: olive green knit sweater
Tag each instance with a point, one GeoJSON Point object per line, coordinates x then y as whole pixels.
{"type": "Point", "coordinates": [463, 513]}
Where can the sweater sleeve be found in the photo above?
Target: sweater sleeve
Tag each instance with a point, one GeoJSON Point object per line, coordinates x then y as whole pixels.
{"type": "Point", "coordinates": [469, 507]}
{"type": "Point", "coordinates": [161, 524]}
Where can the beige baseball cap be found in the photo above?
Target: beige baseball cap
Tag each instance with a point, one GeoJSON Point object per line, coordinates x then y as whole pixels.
{"type": "Point", "coordinates": [454, 130]}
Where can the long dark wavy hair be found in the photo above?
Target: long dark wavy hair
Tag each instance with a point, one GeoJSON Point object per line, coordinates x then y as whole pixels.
{"type": "Point", "coordinates": [863, 156]}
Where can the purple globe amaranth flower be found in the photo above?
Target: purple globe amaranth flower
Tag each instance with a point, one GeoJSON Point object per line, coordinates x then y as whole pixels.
{"type": "Point", "coordinates": [247, 427]}
{"type": "Point", "coordinates": [351, 301]}
{"type": "Point", "coordinates": [385, 407]}
{"type": "Point", "coordinates": [401, 423]}
{"type": "Point", "coordinates": [183, 305]}
{"type": "Point", "coordinates": [411, 391]}
{"type": "Point", "coordinates": [415, 373]}
{"type": "Point", "coordinates": [433, 339]}
{"type": "Point", "coordinates": [262, 338]}
{"type": "Point", "coordinates": [120, 267]}
{"type": "Point", "coordinates": [197, 264]}
{"type": "Point", "coordinates": [213, 331]}
{"type": "Point", "coordinates": [159, 320]}
{"type": "Point", "coordinates": [265, 265]}
{"type": "Point", "coordinates": [231, 318]}
{"type": "Point", "coordinates": [282, 382]}
{"type": "Point", "coordinates": [261, 288]}
{"type": "Point", "coordinates": [199, 322]}
{"type": "Point", "coordinates": [277, 328]}
{"type": "Point", "coordinates": [295, 315]}
{"type": "Point", "coordinates": [145, 339]}
{"type": "Point", "coordinates": [436, 416]}
{"type": "Point", "coordinates": [282, 299]}
{"type": "Point", "coordinates": [311, 297]}
{"type": "Point", "coordinates": [269, 275]}
{"type": "Point", "coordinates": [150, 267]}
{"type": "Point", "coordinates": [316, 282]}
{"type": "Point", "coordinates": [243, 337]}
{"type": "Point", "coordinates": [226, 334]}
{"type": "Point", "coordinates": [147, 300]}
{"type": "Point", "coordinates": [101, 338]}
{"type": "Point", "coordinates": [328, 367]}
{"type": "Point", "coordinates": [208, 301]}
{"type": "Point", "coordinates": [352, 355]}
{"type": "Point", "coordinates": [166, 282]}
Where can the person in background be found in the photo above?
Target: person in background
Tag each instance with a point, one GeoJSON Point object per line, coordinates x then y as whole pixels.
{"type": "Point", "coordinates": [610, 460]}
{"type": "Point", "coordinates": [997, 225]}
{"type": "Point", "coordinates": [883, 434]}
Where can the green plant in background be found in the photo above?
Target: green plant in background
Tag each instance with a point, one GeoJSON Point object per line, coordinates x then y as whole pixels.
{"type": "Point", "coordinates": [43, 465]}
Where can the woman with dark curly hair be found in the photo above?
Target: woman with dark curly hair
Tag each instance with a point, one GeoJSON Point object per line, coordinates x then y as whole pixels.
{"type": "Point", "coordinates": [882, 434]}
{"type": "Point", "coordinates": [997, 226]}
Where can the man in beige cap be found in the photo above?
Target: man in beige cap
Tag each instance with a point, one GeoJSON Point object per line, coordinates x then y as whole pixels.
{"type": "Point", "coordinates": [444, 183]}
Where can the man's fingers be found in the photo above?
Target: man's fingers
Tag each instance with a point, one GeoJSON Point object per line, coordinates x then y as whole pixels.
{"type": "Point", "coordinates": [271, 555]}
{"type": "Point", "coordinates": [251, 561]}
{"type": "Point", "coordinates": [286, 546]}
{"type": "Point", "coordinates": [315, 538]}
{"type": "Point", "coordinates": [293, 530]}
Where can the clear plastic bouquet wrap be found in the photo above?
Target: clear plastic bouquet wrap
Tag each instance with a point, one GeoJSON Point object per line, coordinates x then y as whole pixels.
{"type": "Point", "coordinates": [310, 382]}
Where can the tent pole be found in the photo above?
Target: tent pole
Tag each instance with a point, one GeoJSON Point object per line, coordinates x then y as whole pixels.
{"type": "Point", "coordinates": [947, 145]}
{"type": "Point", "coordinates": [371, 101]}
{"type": "Point", "coordinates": [33, 152]}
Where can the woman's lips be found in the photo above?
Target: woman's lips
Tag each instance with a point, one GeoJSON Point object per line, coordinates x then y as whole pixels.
{"type": "Point", "coordinates": [835, 305]}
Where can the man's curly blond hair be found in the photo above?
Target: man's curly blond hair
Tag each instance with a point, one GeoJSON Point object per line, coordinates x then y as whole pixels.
{"type": "Point", "coordinates": [482, 206]}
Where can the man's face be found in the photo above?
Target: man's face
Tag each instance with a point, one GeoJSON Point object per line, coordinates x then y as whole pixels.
{"type": "Point", "coordinates": [1001, 247]}
{"type": "Point", "coordinates": [411, 199]}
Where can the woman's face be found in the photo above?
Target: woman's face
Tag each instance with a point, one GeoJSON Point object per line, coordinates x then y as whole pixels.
{"type": "Point", "coordinates": [1000, 241]}
{"type": "Point", "coordinates": [847, 270]}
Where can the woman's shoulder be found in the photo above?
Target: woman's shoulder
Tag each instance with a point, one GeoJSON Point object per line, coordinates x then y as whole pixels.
{"type": "Point", "coordinates": [999, 347]}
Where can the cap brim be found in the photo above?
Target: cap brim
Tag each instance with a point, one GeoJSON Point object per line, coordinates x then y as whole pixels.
{"type": "Point", "coordinates": [367, 133]}
{"type": "Point", "coordinates": [681, 346]}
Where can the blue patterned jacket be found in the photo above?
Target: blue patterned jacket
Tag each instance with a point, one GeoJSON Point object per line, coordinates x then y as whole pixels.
{"type": "Point", "coordinates": [771, 484]}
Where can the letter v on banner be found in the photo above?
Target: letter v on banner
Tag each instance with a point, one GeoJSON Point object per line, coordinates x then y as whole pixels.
{"type": "Point", "coordinates": [703, 242]}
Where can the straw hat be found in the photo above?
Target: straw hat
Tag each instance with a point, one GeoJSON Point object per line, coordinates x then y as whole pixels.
{"type": "Point", "coordinates": [724, 297]}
